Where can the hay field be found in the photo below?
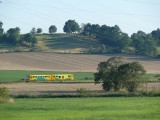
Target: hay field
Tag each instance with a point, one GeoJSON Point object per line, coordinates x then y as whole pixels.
{"type": "Point", "coordinates": [67, 62]}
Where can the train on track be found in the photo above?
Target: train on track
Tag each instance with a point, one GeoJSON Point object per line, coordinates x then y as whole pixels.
{"type": "Point", "coordinates": [50, 77]}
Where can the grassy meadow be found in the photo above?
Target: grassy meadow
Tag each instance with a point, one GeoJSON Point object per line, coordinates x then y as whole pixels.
{"type": "Point", "coordinates": [108, 108]}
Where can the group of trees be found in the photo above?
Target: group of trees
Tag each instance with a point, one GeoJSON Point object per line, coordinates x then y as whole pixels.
{"type": "Point", "coordinates": [111, 37]}
{"type": "Point", "coordinates": [115, 75]}
{"type": "Point", "coordinates": [118, 41]}
{"type": "Point", "coordinates": [13, 36]}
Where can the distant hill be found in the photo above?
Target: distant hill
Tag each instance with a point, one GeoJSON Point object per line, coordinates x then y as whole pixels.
{"type": "Point", "coordinates": [59, 43]}
{"type": "Point", "coordinates": [66, 43]}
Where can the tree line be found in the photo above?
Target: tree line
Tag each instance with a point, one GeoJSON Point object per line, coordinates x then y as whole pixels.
{"type": "Point", "coordinates": [13, 36]}
{"type": "Point", "coordinates": [113, 40]}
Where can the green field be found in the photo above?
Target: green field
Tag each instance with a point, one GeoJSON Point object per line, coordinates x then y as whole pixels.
{"type": "Point", "coordinates": [108, 108]}
{"type": "Point", "coordinates": [17, 76]}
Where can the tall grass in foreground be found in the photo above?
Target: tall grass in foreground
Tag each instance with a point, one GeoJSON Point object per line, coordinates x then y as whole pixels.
{"type": "Point", "coordinates": [117, 108]}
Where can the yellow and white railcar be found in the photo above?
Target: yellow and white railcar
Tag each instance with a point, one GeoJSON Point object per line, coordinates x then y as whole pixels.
{"type": "Point", "coordinates": [50, 77]}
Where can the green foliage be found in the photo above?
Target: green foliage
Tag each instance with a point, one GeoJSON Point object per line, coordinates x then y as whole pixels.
{"type": "Point", "coordinates": [71, 26]}
{"type": "Point", "coordinates": [131, 74]}
{"type": "Point", "coordinates": [28, 40]}
{"type": "Point", "coordinates": [144, 44]}
{"type": "Point", "coordinates": [107, 74]}
{"type": "Point", "coordinates": [4, 92]}
{"type": "Point", "coordinates": [33, 31]}
{"type": "Point", "coordinates": [13, 35]}
{"type": "Point", "coordinates": [39, 30]}
{"type": "Point", "coordinates": [52, 29]}
{"type": "Point", "coordinates": [156, 35]}
{"type": "Point", "coordinates": [114, 75]}
{"type": "Point", "coordinates": [83, 92]}
{"type": "Point", "coordinates": [4, 96]}
{"type": "Point", "coordinates": [110, 36]}
{"type": "Point", "coordinates": [1, 32]}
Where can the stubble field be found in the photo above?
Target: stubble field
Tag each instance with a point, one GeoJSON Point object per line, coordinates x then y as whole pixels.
{"type": "Point", "coordinates": [67, 62]}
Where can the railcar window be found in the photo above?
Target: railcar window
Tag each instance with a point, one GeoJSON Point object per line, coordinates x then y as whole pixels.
{"type": "Point", "coordinates": [59, 76]}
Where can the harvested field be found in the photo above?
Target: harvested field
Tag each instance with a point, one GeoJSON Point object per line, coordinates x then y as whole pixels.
{"type": "Point", "coordinates": [67, 62]}
{"type": "Point", "coordinates": [48, 88]}
{"type": "Point", "coordinates": [61, 88]}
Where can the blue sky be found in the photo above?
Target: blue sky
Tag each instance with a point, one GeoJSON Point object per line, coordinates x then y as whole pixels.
{"type": "Point", "coordinates": [129, 15]}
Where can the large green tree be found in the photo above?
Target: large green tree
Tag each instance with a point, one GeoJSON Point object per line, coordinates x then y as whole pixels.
{"type": "Point", "coordinates": [87, 29]}
{"type": "Point", "coordinates": [156, 35]}
{"type": "Point", "coordinates": [144, 44]}
{"type": "Point", "coordinates": [114, 74]}
{"type": "Point", "coordinates": [13, 35]}
{"type": "Point", "coordinates": [71, 26]}
{"type": "Point", "coordinates": [28, 40]}
{"type": "Point", "coordinates": [91, 30]}
{"type": "Point", "coordinates": [107, 74]}
{"type": "Point", "coordinates": [131, 74]}
{"type": "Point", "coordinates": [52, 29]}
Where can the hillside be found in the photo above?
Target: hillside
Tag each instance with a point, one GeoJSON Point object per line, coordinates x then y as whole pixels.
{"type": "Point", "coordinates": [59, 43]}
{"type": "Point", "coordinates": [64, 43]}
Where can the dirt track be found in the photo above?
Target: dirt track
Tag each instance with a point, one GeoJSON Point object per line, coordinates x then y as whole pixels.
{"type": "Point", "coordinates": [66, 62]}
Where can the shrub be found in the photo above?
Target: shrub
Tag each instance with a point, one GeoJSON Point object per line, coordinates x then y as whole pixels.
{"type": "Point", "coordinates": [83, 92]}
{"type": "Point", "coordinates": [4, 96]}
{"type": "Point", "coordinates": [4, 92]}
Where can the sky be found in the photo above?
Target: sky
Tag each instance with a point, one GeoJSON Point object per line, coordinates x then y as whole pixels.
{"type": "Point", "coordinates": [130, 15]}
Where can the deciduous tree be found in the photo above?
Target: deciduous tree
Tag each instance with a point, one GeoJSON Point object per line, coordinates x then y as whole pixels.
{"type": "Point", "coordinates": [131, 74]}
{"type": "Point", "coordinates": [71, 26]}
{"type": "Point", "coordinates": [107, 74]}
{"type": "Point", "coordinates": [114, 74]}
{"type": "Point", "coordinates": [13, 35]}
{"type": "Point", "coordinates": [39, 30]}
{"type": "Point", "coordinates": [52, 29]}
{"type": "Point", "coordinates": [144, 44]}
